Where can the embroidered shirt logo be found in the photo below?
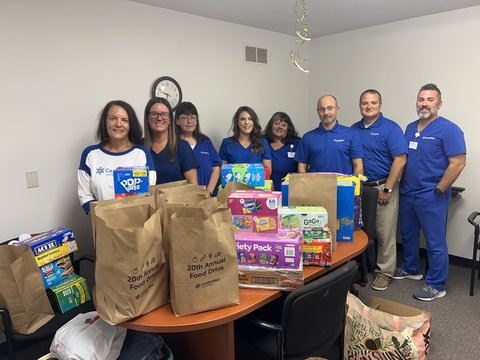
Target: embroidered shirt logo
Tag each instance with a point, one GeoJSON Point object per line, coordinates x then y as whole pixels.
{"type": "Point", "coordinates": [429, 138]}
{"type": "Point", "coordinates": [338, 140]}
{"type": "Point", "coordinates": [375, 134]}
{"type": "Point", "coordinates": [100, 170]}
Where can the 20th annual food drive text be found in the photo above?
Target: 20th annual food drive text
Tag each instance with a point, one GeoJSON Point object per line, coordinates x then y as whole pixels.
{"type": "Point", "coordinates": [210, 266]}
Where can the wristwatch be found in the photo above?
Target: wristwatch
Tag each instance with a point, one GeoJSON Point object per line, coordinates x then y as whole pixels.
{"type": "Point", "coordinates": [438, 192]}
{"type": "Point", "coordinates": [387, 190]}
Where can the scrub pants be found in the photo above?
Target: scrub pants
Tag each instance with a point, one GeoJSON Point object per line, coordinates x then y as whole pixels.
{"type": "Point", "coordinates": [428, 212]}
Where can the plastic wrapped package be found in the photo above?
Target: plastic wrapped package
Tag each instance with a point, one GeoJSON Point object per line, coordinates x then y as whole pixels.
{"type": "Point", "coordinates": [256, 277]}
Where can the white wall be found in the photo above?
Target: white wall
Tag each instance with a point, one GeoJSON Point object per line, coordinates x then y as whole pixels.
{"type": "Point", "coordinates": [62, 61]}
{"type": "Point", "coordinates": [397, 59]}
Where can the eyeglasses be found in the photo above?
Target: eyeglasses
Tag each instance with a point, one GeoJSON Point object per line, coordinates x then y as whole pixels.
{"type": "Point", "coordinates": [192, 118]}
{"type": "Point", "coordinates": [155, 115]}
{"type": "Point", "coordinates": [330, 109]}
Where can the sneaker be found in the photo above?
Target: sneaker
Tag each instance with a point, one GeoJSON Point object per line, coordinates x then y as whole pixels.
{"type": "Point", "coordinates": [399, 274]}
{"type": "Point", "coordinates": [381, 282]}
{"type": "Point", "coordinates": [427, 293]}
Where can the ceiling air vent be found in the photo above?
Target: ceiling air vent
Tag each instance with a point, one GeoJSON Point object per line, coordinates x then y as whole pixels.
{"type": "Point", "coordinates": [255, 55]}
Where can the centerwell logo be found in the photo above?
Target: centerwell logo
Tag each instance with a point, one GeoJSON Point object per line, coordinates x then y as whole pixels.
{"type": "Point", "coordinates": [428, 138]}
{"type": "Point", "coordinates": [101, 170]}
{"type": "Point", "coordinates": [374, 134]}
{"type": "Point", "coordinates": [338, 140]}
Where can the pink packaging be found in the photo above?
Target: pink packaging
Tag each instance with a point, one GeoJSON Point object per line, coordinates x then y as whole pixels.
{"type": "Point", "coordinates": [282, 250]}
{"type": "Point", "coordinates": [256, 211]}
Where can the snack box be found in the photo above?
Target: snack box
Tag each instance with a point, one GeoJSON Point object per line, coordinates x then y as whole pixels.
{"type": "Point", "coordinates": [256, 211]}
{"type": "Point", "coordinates": [69, 293]}
{"type": "Point", "coordinates": [255, 277]}
{"type": "Point", "coordinates": [345, 210]}
{"type": "Point", "coordinates": [57, 271]}
{"type": "Point", "coordinates": [317, 252]}
{"type": "Point", "coordinates": [282, 250]}
{"type": "Point", "coordinates": [51, 245]}
{"type": "Point", "coordinates": [305, 217]}
{"type": "Point", "coordinates": [129, 181]}
{"type": "Point", "coordinates": [249, 174]}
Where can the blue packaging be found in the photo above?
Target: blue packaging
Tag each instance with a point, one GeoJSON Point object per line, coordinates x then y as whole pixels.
{"type": "Point", "coordinates": [57, 271]}
{"type": "Point", "coordinates": [248, 174]}
{"type": "Point", "coordinates": [345, 210]}
{"type": "Point", "coordinates": [129, 181]}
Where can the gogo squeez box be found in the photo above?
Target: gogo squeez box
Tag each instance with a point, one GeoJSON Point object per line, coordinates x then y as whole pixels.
{"type": "Point", "coordinates": [129, 181]}
{"type": "Point", "coordinates": [249, 174]}
{"type": "Point", "coordinates": [282, 250]}
{"type": "Point", "coordinates": [256, 211]}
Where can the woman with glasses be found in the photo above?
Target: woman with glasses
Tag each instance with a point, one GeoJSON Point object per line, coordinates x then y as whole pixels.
{"type": "Point", "coordinates": [174, 159]}
{"type": "Point", "coordinates": [187, 128]}
{"type": "Point", "coordinates": [119, 133]}
{"type": "Point", "coordinates": [246, 145]}
{"type": "Point", "coordinates": [283, 141]}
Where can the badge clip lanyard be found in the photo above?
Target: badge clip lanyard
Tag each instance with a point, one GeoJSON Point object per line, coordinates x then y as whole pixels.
{"type": "Point", "coordinates": [413, 144]}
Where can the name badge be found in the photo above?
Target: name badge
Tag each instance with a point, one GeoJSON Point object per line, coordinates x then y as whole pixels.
{"type": "Point", "coordinates": [290, 155]}
{"type": "Point", "coordinates": [413, 145]}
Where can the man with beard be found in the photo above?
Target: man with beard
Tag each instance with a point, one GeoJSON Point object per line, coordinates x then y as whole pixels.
{"type": "Point", "coordinates": [331, 147]}
{"type": "Point", "coordinates": [436, 157]}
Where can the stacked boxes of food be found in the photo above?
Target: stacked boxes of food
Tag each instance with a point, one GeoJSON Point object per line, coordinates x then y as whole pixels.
{"type": "Point", "coordinates": [248, 174]}
{"type": "Point", "coordinates": [129, 181]}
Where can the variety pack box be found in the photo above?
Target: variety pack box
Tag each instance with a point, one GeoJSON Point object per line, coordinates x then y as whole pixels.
{"type": "Point", "coordinates": [57, 271]}
{"type": "Point", "coordinates": [282, 250]}
{"type": "Point", "coordinates": [317, 251]}
{"type": "Point", "coordinates": [305, 217]}
{"type": "Point", "coordinates": [51, 245]}
{"type": "Point", "coordinates": [69, 293]}
{"type": "Point", "coordinates": [249, 174]}
{"type": "Point", "coordinates": [345, 210]}
{"type": "Point", "coordinates": [256, 211]}
{"type": "Point", "coordinates": [129, 181]}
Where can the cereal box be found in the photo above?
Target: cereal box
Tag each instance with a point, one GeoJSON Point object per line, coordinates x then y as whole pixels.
{"type": "Point", "coordinates": [69, 293]}
{"type": "Point", "coordinates": [305, 217]}
{"type": "Point", "coordinates": [129, 181]}
{"type": "Point", "coordinates": [282, 250]}
{"type": "Point", "coordinates": [345, 210]}
{"type": "Point", "coordinates": [51, 245]}
{"type": "Point", "coordinates": [317, 252]}
{"type": "Point", "coordinates": [57, 271]}
{"type": "Point", "coordinates": [256, 211]}
{"type": "Point", "coordinates": [249, 174]}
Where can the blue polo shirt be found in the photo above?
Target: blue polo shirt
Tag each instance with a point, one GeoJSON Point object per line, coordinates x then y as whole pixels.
{"type": "Point", "coordinates": [234, 153]}
{"type": "Point", "coordinates": [381, 142]}
{"type": "Point", "coordinates": [208, 157]}
{"type": "Point", "coordinates": [426, 164]}
{"type": "Point", "coordinates": [282, 164]}
{"type": "Point", "coordinates": [330, 150]}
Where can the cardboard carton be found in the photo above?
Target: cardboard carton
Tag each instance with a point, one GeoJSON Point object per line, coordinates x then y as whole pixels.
{"type": "Point", "coordinates": [394, 308]}
{"type": "Point", "coordinates": [129, 181]}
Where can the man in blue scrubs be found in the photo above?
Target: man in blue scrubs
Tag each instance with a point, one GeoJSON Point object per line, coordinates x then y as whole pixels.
{"type": "Point", "coordinates": [436, 157]}
{"type": "Point", "coordinates": [331, 147]}
{"type": "Point", "coordinates": [385, 157]}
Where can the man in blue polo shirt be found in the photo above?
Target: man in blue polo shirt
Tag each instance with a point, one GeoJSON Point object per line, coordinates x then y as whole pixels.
{"type": "Point", "coordinates": [385, 157]}
{"type": "Point", "coordinates": [436, 157]}
{"type": "Point", "coordinates": [331, 147]}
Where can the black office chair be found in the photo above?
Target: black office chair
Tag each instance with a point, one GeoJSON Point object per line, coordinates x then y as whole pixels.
{"type": "Point", "coordinates": [476, 247]}
{"type": "Point", "coordinates": [311, 319]}
{"type": "Point", "coordinates": [16, 342]}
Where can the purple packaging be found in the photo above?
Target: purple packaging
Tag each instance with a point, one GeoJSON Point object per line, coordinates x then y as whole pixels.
{"type": "Point", "coordinates": [282, 250]}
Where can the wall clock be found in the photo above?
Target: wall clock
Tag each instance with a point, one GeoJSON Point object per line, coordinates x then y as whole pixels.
{"type": "Point", "coordinates": [168, 88]}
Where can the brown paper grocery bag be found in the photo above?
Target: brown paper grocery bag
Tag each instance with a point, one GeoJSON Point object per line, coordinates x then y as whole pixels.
{"type": "Point", "coordinates": [131, 272]}
{"type": "Point", "coordinates": [230, 188]}
{"type": "Point", "coordinates": [316, 190]}
{"type": "Point", "coordinates": [203, 260]}
{"type": "Point", "coordinates": [22, 291]}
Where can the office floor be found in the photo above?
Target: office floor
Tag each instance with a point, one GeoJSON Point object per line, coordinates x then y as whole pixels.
{"type": "Point", "coordinates": [454, 329]}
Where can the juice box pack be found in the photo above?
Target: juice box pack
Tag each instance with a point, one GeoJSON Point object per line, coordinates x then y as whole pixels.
{"type": "Point", "coordinates": [69, 293]}
{"type": "Point", "coordinates": [317, 251]}
{"type": "Point", "coordinates": [249, 174]}
{"type": "Point", "coordinates": [51, 245]}
{"type": "Point", "coordinates": [57, 271]}
{"type": "Point", "coordinates": [282, 250]}
{"type": "Point", "coordinates": [129, 181]}
{"type": "Point", "coordinates": [256, 211]}
{"type": "Point", "coordinates": [305, 217]}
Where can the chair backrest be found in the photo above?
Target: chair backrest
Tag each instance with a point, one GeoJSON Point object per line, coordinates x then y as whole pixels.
{"type": "Point", "coordinates": [314, 315]}
{"type": "Point", "coordinates": [369, 210]}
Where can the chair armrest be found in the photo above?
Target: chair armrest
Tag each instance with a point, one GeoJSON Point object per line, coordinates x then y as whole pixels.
{"type": "Point", "coordinates": [76, 263]}
{"type": "Point", "coordinates": [265, 324]}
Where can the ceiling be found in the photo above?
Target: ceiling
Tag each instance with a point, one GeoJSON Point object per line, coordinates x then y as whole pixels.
{"type": "Point", "coordinates": [325, 17]}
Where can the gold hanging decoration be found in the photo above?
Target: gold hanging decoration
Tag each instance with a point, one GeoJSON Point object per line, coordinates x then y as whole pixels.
{"type": "Point", "coordinates": [301, 30]}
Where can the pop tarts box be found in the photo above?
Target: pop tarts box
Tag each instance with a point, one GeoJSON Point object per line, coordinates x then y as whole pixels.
{"type": "Point", "coordinates": [51, 245]}
{"type": "Point", "coordinates": [256, 211]}
{"type": "Point", "coordinates": [249, 174]}
{"type": "Point", "coordinates": [129, 181]}
{"type": "Point", "coordinates": [345, 210]}
{"type": "Point", "coordinates": [305, 217]}
{"type": "Point", "coordinates": [282, 250]}
{"type": "Point", "coordinates": [57, 271]}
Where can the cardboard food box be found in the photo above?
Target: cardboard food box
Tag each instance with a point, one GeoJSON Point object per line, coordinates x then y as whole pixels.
{"type": "Point", "coordinates": [129, 181]}
{"type": "Point", "coordinates": [317, 251]}
{"type": "Point", "coordinates": [256, 211]}
{"type": "Point", "coordinates": [255, 277]}
{"type": "Point", "coordinates": [249, 174]}
{"type": "Point", "coordinates": [51, 245]}
{"type": "Point", "coordinates": [305, 217]}
{"type": "Point", "coordinates": [345, 210]}
{"type": "Point", "coordinates": [282, 250]}
{"type": "Point", "coordinates": [69, 293]}
{"type": "Point", "coordinates": [57, 271]}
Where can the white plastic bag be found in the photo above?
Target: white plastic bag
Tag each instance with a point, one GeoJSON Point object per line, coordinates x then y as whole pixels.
{"type": "Point", "coordinates": [87, 337]}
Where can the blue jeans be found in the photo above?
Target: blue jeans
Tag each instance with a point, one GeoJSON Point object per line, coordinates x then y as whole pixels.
{"type": "Point", "coordinates": [139, 345]}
